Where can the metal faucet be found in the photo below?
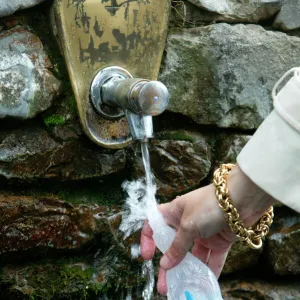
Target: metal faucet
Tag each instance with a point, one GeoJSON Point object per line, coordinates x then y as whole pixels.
{"type": "Point", "coordinates": [139, 99]}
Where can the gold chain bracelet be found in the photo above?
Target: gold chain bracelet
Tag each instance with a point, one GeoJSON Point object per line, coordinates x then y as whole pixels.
{"type": "Point", "coordinates": [252, 236]}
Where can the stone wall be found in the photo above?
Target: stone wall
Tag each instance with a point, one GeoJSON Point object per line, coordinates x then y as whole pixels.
{"type": "Point", "coordinates": [60, 194]}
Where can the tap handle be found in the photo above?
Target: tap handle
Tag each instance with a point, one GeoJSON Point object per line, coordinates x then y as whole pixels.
{"type": "Point", "coordinates": [149, 98]}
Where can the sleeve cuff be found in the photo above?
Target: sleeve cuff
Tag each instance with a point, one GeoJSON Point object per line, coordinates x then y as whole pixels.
{"type": "Point", "coordinates": [271, 159]}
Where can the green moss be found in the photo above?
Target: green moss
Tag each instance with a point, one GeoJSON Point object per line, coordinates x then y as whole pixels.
{"type": "Point", "coordinates": [179, 135]}
{"type": "Point", "coordinates": [54, 120]}
{"type": "Point", "coordinates": [79, 278]}
{"type": "Point", "coordinates": [56, 280]}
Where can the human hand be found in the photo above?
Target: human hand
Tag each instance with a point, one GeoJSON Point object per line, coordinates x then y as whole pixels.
{"type": "Point", "coordinates": [200, 224]}
{"type": "Point", "coordinates": [199, 221]}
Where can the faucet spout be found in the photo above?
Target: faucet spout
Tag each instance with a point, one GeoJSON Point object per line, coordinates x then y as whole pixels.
{"type": "Point", "coordinates": [140, 99]}
{"type": "Point", "coordinates": [141, 127]}
{"type": "Point", "coordinates": [141, 96]}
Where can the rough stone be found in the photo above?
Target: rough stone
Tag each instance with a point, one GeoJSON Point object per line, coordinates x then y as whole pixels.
{"type": "Point", "coordinates": [29, 223]}
{"type": "Point", "coordinates": [260, 289]}
{"type": "Point", "coordinates": [8, 7]}
{"type": "Point", "coordinates": [241, 257]}
{"type": "Point", "coordinates": [180, 160]}
{"type": "Point", "coordinates": [289, 16]}
{"type": "Point", "coordinates": [186, 14]}
{"type": "Point", "coordinates": [282, 249]}
{"type": "Point", "coordinates": [219, 7]}
{"type": "Point", "coordinates": [68, 132]}
{"type": "Point", "coordinates": [229, 147]}
{"type": "Point", "coordinates": [27, 87]}
{"type": "Point", "coordinates": [112, 277]}
{"type": "Point", "coordinates": [239, 11]}
{"type": "Point", "coordinates": [100, 276]}
{"type": "Point", "coordinates": [40, 223]}
{"type": "Point", "coordinates": [41, 226]}
{"type": "Point", "coordinates": [209, 80]}
{"type": "Point", "coordinates": [31, 153]}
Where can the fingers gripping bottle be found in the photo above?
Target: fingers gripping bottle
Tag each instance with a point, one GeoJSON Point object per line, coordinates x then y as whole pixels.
{"type": "Point", "coordinates": [191, 279]}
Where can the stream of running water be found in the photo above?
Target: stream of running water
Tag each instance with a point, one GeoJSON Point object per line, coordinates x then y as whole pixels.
{"type": "Point", "coordinates": [140, 200]}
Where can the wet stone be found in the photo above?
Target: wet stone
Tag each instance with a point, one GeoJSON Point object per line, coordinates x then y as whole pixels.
{"type": "Point", "coordinates": [8, 7]}
{"type": "Point", "coordinates": [104, 266]}
{"type": "Point", "coordinates": [260, 289]}
{"type": "Point", "coordinates": [180, 160]}
{"type": "Point", "coordinates": [27, 87]}
{"type": "Point", "coordinates": [32, 225]}
{"type": "Point", "coordinates": [92, 276]}
{"type": "Point", "coordinates": [29, 223]}
{"type": "Point", "coordinates": [111, 234]}
{"type": "Point", "coordinates": [204, 88]}
{"type": "Point", "coordinates": [31, 153]}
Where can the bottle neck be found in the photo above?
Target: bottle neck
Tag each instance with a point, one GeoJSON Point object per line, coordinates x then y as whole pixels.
{"type": "Point", "coordinates": [163, 234]}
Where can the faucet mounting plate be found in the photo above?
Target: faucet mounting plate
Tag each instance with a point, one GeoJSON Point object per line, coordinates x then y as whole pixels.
{"type": "Point", "coordinates": [96, 34]}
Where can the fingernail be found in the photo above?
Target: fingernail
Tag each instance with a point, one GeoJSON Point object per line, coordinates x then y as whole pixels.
{"type": "Point", "coordinates": [166, 262]}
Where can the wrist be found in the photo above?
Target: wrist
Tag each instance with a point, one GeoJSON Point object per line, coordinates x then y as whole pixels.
{"type": "Point", "coordinates": [249, 199]}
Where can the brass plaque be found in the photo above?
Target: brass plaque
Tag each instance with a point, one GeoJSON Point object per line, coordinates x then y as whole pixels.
{"type": "Point", "coordinates": [95, 34]}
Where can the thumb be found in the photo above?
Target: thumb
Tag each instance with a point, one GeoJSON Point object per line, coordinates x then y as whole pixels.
{"type": "Point", "coordinates": [179, 248]}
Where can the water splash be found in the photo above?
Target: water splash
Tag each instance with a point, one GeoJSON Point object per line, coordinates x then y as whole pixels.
{"type": "Point", "coordinates": [141, 198]}
{"type": "Point", "coordinates": [128, 297]}
{"type": "Point", "coordinates": [148, 270]}
{"type": "Point", "coordinates": [137, 206]}
{"type": "Point", "coordinates": [135, 251]}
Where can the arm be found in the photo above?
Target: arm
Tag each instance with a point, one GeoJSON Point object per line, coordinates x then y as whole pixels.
{"type": "Point", "coordinates": [272, 157]}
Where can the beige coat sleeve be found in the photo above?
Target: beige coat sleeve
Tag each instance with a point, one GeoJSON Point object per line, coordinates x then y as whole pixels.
{"type": "Point", "coordinates": [271, 159]}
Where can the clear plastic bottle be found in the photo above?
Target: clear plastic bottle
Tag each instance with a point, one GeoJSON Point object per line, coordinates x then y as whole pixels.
{"type": "Point", "coordinates": [191, 279]}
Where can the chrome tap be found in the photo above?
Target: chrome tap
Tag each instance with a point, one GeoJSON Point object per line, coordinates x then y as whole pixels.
{"type": "Point", "coordinates": [139, 99]}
